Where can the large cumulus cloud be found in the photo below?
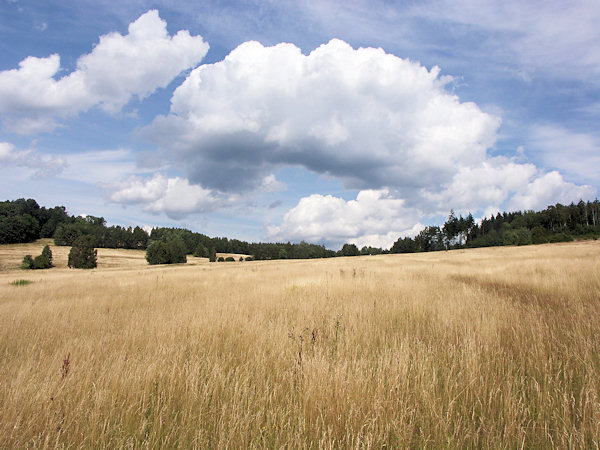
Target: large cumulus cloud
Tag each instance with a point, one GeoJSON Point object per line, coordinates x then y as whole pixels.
{"type": "Point", "coordinates": [368, 117]}
{"type": "Point", "coordinates": [385, 126]}
{"type": "Point", "coordinates": [118, 68]}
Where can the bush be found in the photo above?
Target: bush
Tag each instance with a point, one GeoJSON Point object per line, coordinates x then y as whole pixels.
{"type": "Point", "coordinates": [41, 262]}
{"type": "Point", "coordinates": [47, 253]}
{"type": "Point", "coordinates": [157, 253]}
{"type": "Point", "coordinates": [27, 263]}
{"type": "Point", "coordinates": [539, 235]}
{"type": "Point", "coordinates": [249, 258]}
{"type": "Point", "coordinates": [212, 255]}
{"type": "Point", "coordinates": [82, 254]}
{"type": "Point", "coordinates": [221, 259]}
{"type": "Point", "coordinates": [520, 236]}
{"type": "Point", "coordinates": [561, 237]}
{"type": "Point", "coordinates": [241, 258]}
{"type": "Point", "coordinates": [230, 258]}
{"type": "Point", "coordinates": [177, 251]}
{"type": "Point", "coordinates": [171, 252]}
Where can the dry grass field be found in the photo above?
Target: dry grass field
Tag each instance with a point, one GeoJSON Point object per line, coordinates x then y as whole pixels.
{"type": "Point", "coordinates": [489, 348]}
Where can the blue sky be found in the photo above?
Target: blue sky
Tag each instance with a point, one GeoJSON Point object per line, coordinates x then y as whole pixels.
{"type": "Point", "coordinates": [333, 122]}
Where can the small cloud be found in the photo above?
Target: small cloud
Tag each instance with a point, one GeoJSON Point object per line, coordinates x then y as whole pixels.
{"type": "Point", "coordinates": [41, 27]}
{"type": "Point", "coordinates": [175, 197]}
{"type": "Point", "coordinates": [43, 167]}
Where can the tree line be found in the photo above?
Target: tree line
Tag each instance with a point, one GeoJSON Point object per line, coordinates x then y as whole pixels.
{"type": "Point", "coordinates": [556, 223]}
{"type": "Point", "coordinates": [23, 220]}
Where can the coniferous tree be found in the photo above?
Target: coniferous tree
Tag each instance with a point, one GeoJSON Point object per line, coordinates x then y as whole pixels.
{"type": "Point", "coordinates": [83, 255]}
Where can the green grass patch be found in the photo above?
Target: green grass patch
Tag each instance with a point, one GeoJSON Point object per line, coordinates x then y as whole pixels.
{"type": "Point", "coordinates": [21, 282]}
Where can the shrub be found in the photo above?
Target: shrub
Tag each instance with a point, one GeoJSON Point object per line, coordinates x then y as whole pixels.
{"type": "Point", "coordinates": [230, 258]}
{"type": "Point", "coordinates": [561, 237]}
{"type": "Point", "coordinates": [82, 254]}
{"type": "Point", "coordinates": [41, 262]}
{"type": "Point", "coordinates": [47, 253]}
{"type": "Point", "coordinates": [177, 251]}
{"type": "Point", "coordinates": [201, 251]}
{"type": "Point", "coordinates": [539, 235]}
{"type": "Point", "coordinates": [520, 236]}
{"type": "Point", "coordinates": [221, 259]}
{"type": "Point", "coordinates": [157, 253]}
{"type": "Point", "coordinates": [249, 258]}
{"type": "Point", "coordinates": [241, 258]}
{"type": "Point", "coordinates": [171, 252]}
{"type": "Point", "coordinates": [27, 263]}
{"type": "Point", "coordinates": [212, 255]}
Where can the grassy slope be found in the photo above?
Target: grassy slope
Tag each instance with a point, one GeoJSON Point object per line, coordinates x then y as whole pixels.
{"type": "Point", "coordinates": [490, 347]}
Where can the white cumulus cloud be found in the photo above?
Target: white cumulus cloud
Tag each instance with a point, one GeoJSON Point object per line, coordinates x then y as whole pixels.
{"type": "Point", "coordinates": [374, 218]}
{"type": "Point", "coordinates": [549, 189]}
{"type": "Point", "coordinates": [381, 124]}
{"type": "Point", "coordinates": [118, 68]}
{"type": "Point", "coordinates": [175, 197]}
{"type": "Point", "coordinates": [368, 117]}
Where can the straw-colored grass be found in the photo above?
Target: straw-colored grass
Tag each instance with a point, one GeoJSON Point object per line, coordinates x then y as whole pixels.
{"type": "Point", "coordinates": [490, 348]}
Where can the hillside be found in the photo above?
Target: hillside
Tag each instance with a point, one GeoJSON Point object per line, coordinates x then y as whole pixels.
{"type": "Point", "coordinates": [466, 348]}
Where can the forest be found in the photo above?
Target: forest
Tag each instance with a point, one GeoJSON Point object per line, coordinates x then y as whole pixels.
{"type": "Point", "coordinates": [23, 220]}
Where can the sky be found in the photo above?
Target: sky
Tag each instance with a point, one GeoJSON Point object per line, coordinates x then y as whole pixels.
{"type": "Point", "coordinates": [324, 121]}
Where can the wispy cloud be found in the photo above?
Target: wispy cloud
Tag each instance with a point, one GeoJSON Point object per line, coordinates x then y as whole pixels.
{"type": "Point", "coordinates": [42, 166]}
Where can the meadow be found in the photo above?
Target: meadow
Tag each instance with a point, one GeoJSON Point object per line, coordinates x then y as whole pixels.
{"type": "Point", "coordinates": [488, 348]}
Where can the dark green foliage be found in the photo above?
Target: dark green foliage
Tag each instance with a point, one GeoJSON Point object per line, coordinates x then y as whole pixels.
{"type": "Point", "coordinates": [539, 235]}
{"type": "Point", "coordinates": [106, 237]}
{"type": "Point", "coordinates": [520, 236]}
{"type": "Point", "coordinates": [229, 259]}
{"type": "Point", "coordinates": [201, 251]}
{"type": "Point", "coordinates": [430, 239]}
{"type": "Point", "coordinates": [349, 250]}
{"type": "Point", "coordinates": [212, 255]}
{"type": "Point", "coordinates": [27, 262]}
{"type": "Point", "coordinates": [157, 253]}
{"type": "Point", "coordinates": [83, 255]}
{"type": "Point", "coordinates": [557, 223]}
{"type": "Point", "coordinates": [561, 237]}
{"type": "Point", "coordinates": [172, 252]}
{"type": "Point", "coordinates": [220, 259]}
{"type": "Point", "coordinates": [43, 261]}
{"type": "Point", "coordinates": [371, 251]}
{"type": "Point", "coordinates": [249, 258]}
{"type": "Point", "coordinates": [404, 245]}
{"type": "Point", "coordinates": [177, 251]}
{"type": "Point", "coordinates": [25, 221]}
{"type": "Point", "coordinates": [47, 253]}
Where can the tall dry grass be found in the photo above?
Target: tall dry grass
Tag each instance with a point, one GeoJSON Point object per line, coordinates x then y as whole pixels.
{"type": "Point", "coordinates": [493, 348]}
